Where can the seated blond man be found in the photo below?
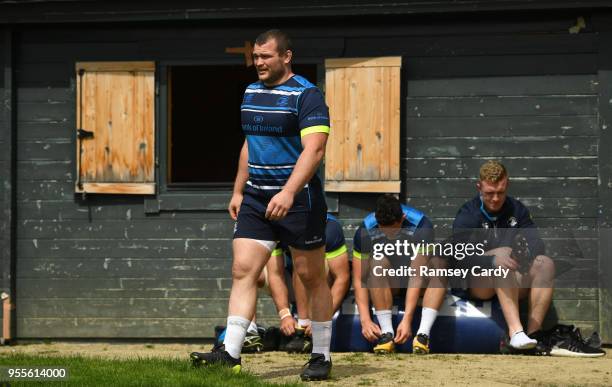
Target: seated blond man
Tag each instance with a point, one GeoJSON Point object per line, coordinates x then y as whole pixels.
{"type": "Point", "coordinates": [502, 219]}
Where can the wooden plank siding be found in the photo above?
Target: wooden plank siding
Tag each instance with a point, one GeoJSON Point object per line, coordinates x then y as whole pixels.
{"type": "Point", "coordinates": [446, 158]}
{"type": "Point", "coordinates": [103, 267]}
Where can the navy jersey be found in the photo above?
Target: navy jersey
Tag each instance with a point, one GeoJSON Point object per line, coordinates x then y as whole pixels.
{"type": "Point", "coordinates": [273, 120]}
{"type": "Point", "coordinates": [415, 227]}
{"type": "Point", "coordinates": [500, 228]}
{"type": "Point", "coordinates": [335, 243]}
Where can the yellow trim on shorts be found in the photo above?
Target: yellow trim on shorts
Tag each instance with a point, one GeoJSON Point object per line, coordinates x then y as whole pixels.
{"type": "Point", "coordinates": [357, 254]}
{"type": "Point", "coordinates": [277, 252]}
{"type": "Point", "coordinates": [314, 129]}
{"type": "Point", "coordinates": [337, 252]}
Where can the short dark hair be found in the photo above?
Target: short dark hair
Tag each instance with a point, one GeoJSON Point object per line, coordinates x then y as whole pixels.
{"type": "Point", "coordinates": [283, 41]}
{"type": "Point", "coordinates": [388, 210]}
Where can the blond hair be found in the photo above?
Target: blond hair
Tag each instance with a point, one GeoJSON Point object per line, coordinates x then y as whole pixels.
{"type": "Point", "coordinates": [493, 171]}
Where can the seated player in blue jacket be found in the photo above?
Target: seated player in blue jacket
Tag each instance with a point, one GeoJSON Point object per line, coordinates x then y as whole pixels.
{"type": "Point", "coordinates": [391, 223]}
{"type": "Point", "coordinates": [502, 219]}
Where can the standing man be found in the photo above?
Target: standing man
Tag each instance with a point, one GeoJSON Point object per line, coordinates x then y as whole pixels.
{"type": "Point", "coordinates": [393, 222]}
{"type": "Point", "coordinates": [501, 217]}
{"type": "Point", "coordinates": [279, 197]}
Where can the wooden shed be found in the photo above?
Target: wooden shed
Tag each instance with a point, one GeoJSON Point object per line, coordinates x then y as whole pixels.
{"type": "Point", "coordinates": [119, 135]}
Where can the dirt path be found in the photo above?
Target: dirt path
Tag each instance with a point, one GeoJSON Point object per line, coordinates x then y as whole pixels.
{"type": "Point", "coordinates": [364, 369]}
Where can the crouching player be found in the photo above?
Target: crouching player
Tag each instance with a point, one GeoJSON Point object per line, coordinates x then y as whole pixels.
{"type": "Point", "coordinates": [393, 222]}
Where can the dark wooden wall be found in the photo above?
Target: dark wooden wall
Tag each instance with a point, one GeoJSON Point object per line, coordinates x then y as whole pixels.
{"type": "Point", "coordinates": [112, 266]}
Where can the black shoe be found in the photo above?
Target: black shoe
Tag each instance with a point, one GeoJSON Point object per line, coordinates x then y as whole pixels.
{"type": "Point", "coordinates": [543, 346]}
{"type": "Point", "coordinates": [218, 355]}
{"type": "Point", "coordinates": [299, 343]}
{"type": "Point", "coordinates": [252, 343]}
{"type": "Point", "coordinates": [567, 341]}
{"type": "Point", "coordinates": [317, 368]}
{"type": "Point", "coordinates": [271, 339]}
{"type": "Point", "coordinates": [594, 340]}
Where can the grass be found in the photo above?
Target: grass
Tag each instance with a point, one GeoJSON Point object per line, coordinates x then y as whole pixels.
{"type": "Point", "coordinates": [134, 372]}
{"type": "Point", "coordinates": [355, 357]}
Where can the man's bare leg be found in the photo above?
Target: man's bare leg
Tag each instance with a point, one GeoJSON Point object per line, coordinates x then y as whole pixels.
{"type": "Point", "coordinates": [310, 267]}
{"type": "Point", "coordinates": [250, 257]}
{"type": "Point", "coordinates": [508, 300]}
{"type": "Point", "coordinates": [542, 272]}
{"type": "Point", "coordinates": [436, 287]}
{"type": "Point", "coordinates": [301, 300]}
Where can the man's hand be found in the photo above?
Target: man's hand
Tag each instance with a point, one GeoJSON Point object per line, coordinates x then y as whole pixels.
{"type": "Point", "coordinates": [287, 326]}
{"type": "Point", "coordinates": [279, 205]}
{"type": "Point", "coordinates": [370, 331]}
{"type": "Point", "coordinates": [404, 331]}
{"type": "Point", "coordinates": [308, 330]}
{"type": "Point", "coordinates": [505, 261]}
{"type": "Point", "coordinates": [234, 205]}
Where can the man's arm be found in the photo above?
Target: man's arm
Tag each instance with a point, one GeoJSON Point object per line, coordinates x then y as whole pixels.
{"type": "Point", "coordinates": [362, 298]}
{"type": "Point", "coordinates": [306, 166]}
{"type": "Point", "coordinates": [339, 270]}
{"type": "Point", "coordinates": [369, 329]}
{"type": "Point", "coordinates": [241, 178]}
{"type": "Point", "coordinates": [279, 291]}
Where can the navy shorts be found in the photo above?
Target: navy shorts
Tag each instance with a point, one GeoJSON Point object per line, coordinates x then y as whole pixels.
{"type": "Point", "coordinates": [302, 228]}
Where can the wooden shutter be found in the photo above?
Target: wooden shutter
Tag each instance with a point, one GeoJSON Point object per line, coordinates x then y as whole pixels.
{"type": "Point", "coordinates": [363, 95]}
{"type": "Point", "coordinates": [115, 127]}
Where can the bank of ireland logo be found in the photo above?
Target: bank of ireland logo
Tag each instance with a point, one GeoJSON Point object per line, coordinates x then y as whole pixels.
{"type": "Point", "coordinates": [258, 119]}
{"type": "Point", "coordinates": [283, 100]}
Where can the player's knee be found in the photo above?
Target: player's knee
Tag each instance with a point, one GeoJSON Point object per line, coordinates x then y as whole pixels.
{"type": "Point", "coordinates": [543, 266]}
{"type": "Point", "coordinates": [241, 270]}
{"type": "Point", "coordinates": [310, 276]}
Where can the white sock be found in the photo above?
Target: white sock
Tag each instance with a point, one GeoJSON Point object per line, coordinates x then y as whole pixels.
{"type": "Point", "coordinates": [384, 320]}
{"type": "Point", "coordinates": [252, 328]}
{"type": "Point", "coordinates": [428, 317]}
{"type": "Point", "coordinates": [520, 340]}
{"type": "Point", "coordinates": [234, 335]}
{"type": "Point", "coordinates": [303, 322]}
{"type": "Point", "coordinates": [321, 337]}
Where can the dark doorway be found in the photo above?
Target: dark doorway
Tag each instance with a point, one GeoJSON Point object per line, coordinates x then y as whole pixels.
{"type": "Point", "coordinates": [205, 136]}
